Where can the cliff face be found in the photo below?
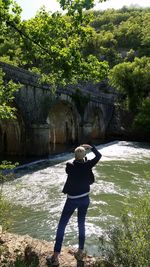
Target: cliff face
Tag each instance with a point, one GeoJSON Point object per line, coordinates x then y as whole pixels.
{"type": "Point", "coordinates": [33, 252]}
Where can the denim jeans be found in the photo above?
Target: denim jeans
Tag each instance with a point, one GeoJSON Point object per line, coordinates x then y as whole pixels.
{"type": "Point", "coordinates": [81, 204]}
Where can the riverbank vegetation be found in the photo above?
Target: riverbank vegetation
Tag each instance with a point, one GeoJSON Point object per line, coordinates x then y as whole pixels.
{"type": "Point", "coordinates": [129, 242]}
{"type": "Point", "coordinates": [7, 112]}
{"type": "Point", "coordinates": [7, 90]}
{"type": "Point", "coordinates": [5, 206]}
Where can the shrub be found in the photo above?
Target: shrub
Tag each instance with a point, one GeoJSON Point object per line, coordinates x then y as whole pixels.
{"type": "Point", "coordinates": [142, 120]}
{"type": "Point", "coordinates": [21, 263]}
{"type": "Point", "coordinates": [131, 240]}
{"type": "Point", "coordinates": [5, 206]}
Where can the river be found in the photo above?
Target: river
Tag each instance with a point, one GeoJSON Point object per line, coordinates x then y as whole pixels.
{"type": "Point", "coordinates": [123, 171]}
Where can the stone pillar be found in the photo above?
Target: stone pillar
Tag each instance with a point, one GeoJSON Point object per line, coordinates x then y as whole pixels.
{"type": "Point", "coordinates": [37, 140]}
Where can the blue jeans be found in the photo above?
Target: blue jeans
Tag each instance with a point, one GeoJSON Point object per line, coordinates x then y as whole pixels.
{"type": "Point", "coordinates": [81, 204]}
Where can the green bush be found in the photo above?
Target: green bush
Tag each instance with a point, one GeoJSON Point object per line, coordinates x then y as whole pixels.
{"type": "Point", "coordinates": [131, 240]}
{"type": "Point", "coordinates": [20, 263]}
{"type": "Point", "coordinates": [5, 206]}
{"type": "Point", "coordinates": [142, 120]}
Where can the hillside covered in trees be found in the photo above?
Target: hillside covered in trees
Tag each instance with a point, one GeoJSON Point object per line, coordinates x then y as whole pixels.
{"type": "Point", "coordinates": [111, 45]}
{"type": "Point", "coordinates": [123, 39]}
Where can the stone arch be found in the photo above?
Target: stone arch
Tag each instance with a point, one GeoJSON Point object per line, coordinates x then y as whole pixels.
{"type": "Point", "coordinates": [12, 135]}
{"type": "Point", "coordinates": [63, 123]}
{"type": "Point", "coordinates": [94, 126]}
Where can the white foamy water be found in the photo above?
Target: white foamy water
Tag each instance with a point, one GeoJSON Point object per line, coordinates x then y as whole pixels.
{"type": "Point", "coordinates": [33, 188]}
{"type": "Point", "coordinates": [123, 150]}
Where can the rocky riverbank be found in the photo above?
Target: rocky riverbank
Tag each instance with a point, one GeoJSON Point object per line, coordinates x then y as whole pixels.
{"type": "Point", "coordinates": [32, 252]}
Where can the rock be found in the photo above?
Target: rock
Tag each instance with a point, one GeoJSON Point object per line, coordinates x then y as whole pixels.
{"type": "Point", "coordinates": [31, 256]}
{"type": "Point", "coordinates": [33, 252]}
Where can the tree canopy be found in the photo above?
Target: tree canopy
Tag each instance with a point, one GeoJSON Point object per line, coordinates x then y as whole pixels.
{"type": "Point", "coordinates": [133, 79]}
{"type": "Point", "coordinates": [49, 44]}
{"type": "Point", "coordinates": [7, 91]}
{"type": "Point", "coordinates": [81, 45]}
{"type": "Point", "coordinates": [52, 44]}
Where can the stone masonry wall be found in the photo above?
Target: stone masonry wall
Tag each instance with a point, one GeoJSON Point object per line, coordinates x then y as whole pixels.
{"type": "Point", "coordinates": [48, 118]}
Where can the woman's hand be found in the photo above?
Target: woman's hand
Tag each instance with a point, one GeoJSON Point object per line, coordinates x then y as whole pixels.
{"type": "Point", "coordinates": [86, 146]}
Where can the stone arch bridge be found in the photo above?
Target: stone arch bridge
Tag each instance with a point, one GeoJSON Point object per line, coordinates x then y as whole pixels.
{"type": "Point", "coordinates": [43, 118]}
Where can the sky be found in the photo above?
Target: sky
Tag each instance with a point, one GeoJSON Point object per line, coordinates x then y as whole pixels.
{"type": "Point", "coordinates": [30, 7]}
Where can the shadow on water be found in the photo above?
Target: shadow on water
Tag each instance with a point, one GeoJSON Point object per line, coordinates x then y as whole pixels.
{"type": "Point", "coordinates": [23, 159]}
{"type": "Point", "coordinates": [31, 164]}
{"type": "Point", "coordinates": [61, 154]}
{"type": "Point", "coordinates": [29, 168]}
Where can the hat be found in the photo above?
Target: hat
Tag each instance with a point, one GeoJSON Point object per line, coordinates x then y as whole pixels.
{"type": "Point", "coordinates": [79, 152]}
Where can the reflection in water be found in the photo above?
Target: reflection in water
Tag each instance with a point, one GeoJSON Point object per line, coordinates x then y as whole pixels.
{"type": "Point", "coordinates": [124, 170]}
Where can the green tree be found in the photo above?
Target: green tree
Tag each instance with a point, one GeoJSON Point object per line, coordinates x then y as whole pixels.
{"type": "Point", "coordinates": [7, 91]}
{"type": "Point", "coordinates": [7, 111]}
{"type": "Point", "coordinates": [52, 44]}
{"type": "Point", "coordinates": [130, 30]}
{"type": "Point", "coordinates": [10, 15]}
{"type": "Point", "coordinates": [59, 54]}
{"type": "Point", "coordinates": [142, 119]}
{"type": "Point", "coordinates": [128, 33]}
{"type": "Point", "coordinates": [132, 78]}
{"type": "Point", "coordinates": [5, 206]}
{"type": "Point", "coordinates": [77, 6]}
{"type": "Point", "coordinates": [145, 35]}
{"type": "Point", "coordinates": [107, 47]}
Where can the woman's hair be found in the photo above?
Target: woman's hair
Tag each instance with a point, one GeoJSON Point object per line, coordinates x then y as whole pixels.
{"type": "Point", "coordinates": [79, 152]}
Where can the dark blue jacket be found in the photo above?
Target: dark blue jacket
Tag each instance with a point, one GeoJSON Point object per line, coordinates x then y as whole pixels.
{"type": "Point", "coordinates": [80, 175]}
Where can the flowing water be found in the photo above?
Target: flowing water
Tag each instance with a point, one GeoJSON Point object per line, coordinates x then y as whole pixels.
{"type": "Point", "coordinates": [123, 171]}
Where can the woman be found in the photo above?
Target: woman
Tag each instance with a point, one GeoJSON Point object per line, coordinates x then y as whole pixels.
{"type": "Point", "coordinates": [77, 188]}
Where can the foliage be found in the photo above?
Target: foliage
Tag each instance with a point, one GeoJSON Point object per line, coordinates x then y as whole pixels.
{"type": "Point", "coordinates": [36, 42]}
{"type": "Point", "coordinates": [145, 37]}
{"type": "Point", "coordinates": [142, 119]}
{"type": "Point", "coordinates": [21, 263]}
{"type": "Point", "coordinates": [131, 242]}
{"type": "Point", "coordinates": [5, 209]}
{"type": "Point", "coordinates": [5, 173]}
{"type": "Point", "coordinates": [80, 100]}
{"type": "Point", "coordinates": [9, 11]}
{"type": "Point", "coordinates": [63, 61]}
{"type": "Point", "coordinates": [130, 29]}
{"type": "Point", "coordinates": [7, 91]}
{"type": "Point", "coordinates": [53, 44]}
{"type": "Point", "coordinates": [76, 7]}
{"type": "Point", "coordinates": [133, 79]}
{"type": "Point", "coordinates": [128, 33]}
{"type": "Point", "coordinates": [80, 45]}
{"type": "Point", "coordinates": [5, 206]}
{"type": "Point", "coordinates": [61, 46]}
{"type": "Point", "coordinates": [9, 39]}
{"type": "Point", "coordinates": [18, 262]}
